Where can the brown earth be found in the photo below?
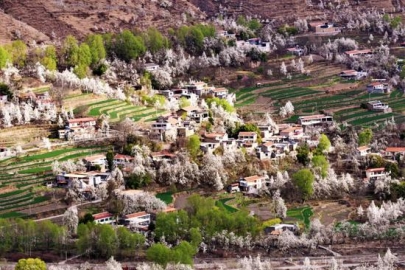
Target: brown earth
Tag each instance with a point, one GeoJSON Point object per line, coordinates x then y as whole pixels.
{"type": "Point", "coordinates": [275, 9]}
{"type": "Point", "coordinates": [63, 17]}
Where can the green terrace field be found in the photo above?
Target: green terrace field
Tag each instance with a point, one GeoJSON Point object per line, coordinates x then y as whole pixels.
{"type": "Point", "coordinates": [345, 105]}
{"type": "Point", "coordinates": [118, 110]}
{"type": "Point", "coordinates": [21, 175]}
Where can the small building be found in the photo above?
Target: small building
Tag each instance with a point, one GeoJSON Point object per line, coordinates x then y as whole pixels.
{"type": "Point", "coordinates": [378, 87]}
{"type": "Point", "coordinates": [122, 159]}
{"type": "Point", "coordinates": [363, 151]}
{"type": "Point", "coordinates": [151, 66]}
{"type": "Point", "coordinates": [296, 51]}
{"type": "Point", "coordinates": [95, 160]}
{"type": "Point", "coordinates": [247, 136]}
{"type": "Point", "coordinates": [394, 152]}
{"type": "Point", "coordinates": [162, 155]}
{"type": "Point", "coordinates": [219, 92]}
{"type": "Point", "coordinates": [81, 122]}
{"type": "Point", "coordinates": [233, 188]}
{"type": "Point", "coordinates": [376, 174]}
{"type": "Point", "coordinates": [352, 74]}
{"type": "Point", "coordinates": [279, 228]}
{"type": "Point", "coordinates": [194, 113]}
{"type": "Point", "coordinates": [378, 106]}
{"type": "Point", "coordinates": [215, 137]}
{"type": "Point", "coordinates": [139, 220]}
{"type": "Point", "coordinates": [250, 183]}
{"type": "Point", "coordinates": [104, 218]}
{"type": "Point", "coordinates": [355, 53]}
{"type": "Point", "coordinates": [311, 120]}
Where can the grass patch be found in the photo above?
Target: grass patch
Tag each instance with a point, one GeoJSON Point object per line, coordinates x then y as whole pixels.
{"type": "Point", "coordinates": [302, 214]}
{"type": "Point", "coordinates": [222, 203]}
{"type": "Point", "coordinates": [36, 170]}
{"type": "Point", "coordinates": [166, 197]}
{"type": "Point", "coordinates": [12, 215]}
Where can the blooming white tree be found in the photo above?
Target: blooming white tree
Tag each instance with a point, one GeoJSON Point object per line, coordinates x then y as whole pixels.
{"type": "Point", "coordinates": [71, 219]}
{"type": "Point", "coordinates": [279, 205]}
{"type": "Point", "coordinates": [283, 68]}
{"type": "Point", "coordinates": [112, 264]}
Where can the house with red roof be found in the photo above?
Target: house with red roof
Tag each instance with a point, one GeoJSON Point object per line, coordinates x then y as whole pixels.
{"type": "Point", "coordinates": [81, 122]}
{"type": "Point", "coordinates": [139, 220]}
{"type": "Point", "coordinates": [251, 183]}
{"type": "Point", "coordinates": [104, 218]}
{"type": "Point", "coordinates": [374, 174]}
{"type": "Point", "coordinates": [393, 152]}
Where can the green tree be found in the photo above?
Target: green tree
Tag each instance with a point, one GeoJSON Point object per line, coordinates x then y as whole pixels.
{"type": "Point", "coordinates": [193, 145]}
{"type": "Point", "coordinates": [365, 137]}
{"type": "Point", "coordinates": [184, 102]}
{"type": "Point", "coordinates": [254, 25]}
{"type": "Point", "coordinates": [97, 48]}
{"type": "Point", "coordinates": [87, 218]}
{"type": "Point", "coordinates": [80, 71]}
{"type": "Point", "coordinates": [221, 102]}
{"type": "Point", "coordinates": [49, 58]}
{"type": "Point", "coordinates": [128, 47]}
{"type": "Point", "coordinates": [110, 160]}
{"type": "Point", "coordinates": [107, 242]}
{"type": "Point", "coordinates": [321, 163]}
{"type": "Point", "coordinates": [303, 180]}
{"type": "Point", "coordinates": [18, 52]}
{"type": "Point", "coordinates": [324, 144]}
{"type": "Point", "coordinates": [303, 154]}
{"type": "Point", "coordinates": [195, 237]}
{"type": "Point", "coordinates": [70, 51]}
{"type": "Point", "coordinates": [84, 55]}
{"type": "Point", "coordinates": [184, 253]}
{"type": "Point", "coordinates": [159, 254]}
{"type": "Point", "coordinates": [30, 264]}
{"type": "Point", "coordinates": [135, 181]}
{"type": "Point", "coordinates": [154, 40]}
{"type": "Point", "coordinates": [173, 226]}
{"type": "Point", "coordinates": [4, 57]}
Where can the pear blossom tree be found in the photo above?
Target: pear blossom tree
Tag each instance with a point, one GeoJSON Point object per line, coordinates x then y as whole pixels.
{"type": "Point", "coordinates": [71, 219]}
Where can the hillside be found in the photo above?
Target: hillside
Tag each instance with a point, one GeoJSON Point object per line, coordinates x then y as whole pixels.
{"type": "Point", "coordinates": [60, 18]}
{"type": "Point", "coordinates": [10, 27]}
{"type": "Point", "coordinates": [273, 9]}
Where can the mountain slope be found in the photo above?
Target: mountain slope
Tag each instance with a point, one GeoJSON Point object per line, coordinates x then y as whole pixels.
{"type": "Point", "coordinates": [271, 9]}
{"type": "Point", "coordinates": [81, 17]}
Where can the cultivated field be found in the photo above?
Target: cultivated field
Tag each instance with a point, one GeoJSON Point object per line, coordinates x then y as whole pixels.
{"type": "Point", "coordinates": [22, 176]}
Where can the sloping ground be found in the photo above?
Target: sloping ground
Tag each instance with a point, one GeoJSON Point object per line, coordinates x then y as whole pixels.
{"type": "Point", "coordinates": [272, 9]}
{"type": "Point", "coordinates": [8, 26]}
{"type": "Point", "coordinates": [82, 17]}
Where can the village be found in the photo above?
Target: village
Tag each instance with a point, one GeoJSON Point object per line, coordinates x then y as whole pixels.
{"type": "Point", "coordinates": [247, 142]}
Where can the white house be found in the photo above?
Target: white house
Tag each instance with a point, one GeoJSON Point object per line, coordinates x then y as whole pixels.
{"type": "Point", "coordinates": [363, 151]}
{"type": "Point", "coordinates": [393, 152]}
{"type": "Point", "coordinates": [81, 122]}
{"type": "Point", "coordinates": [122, 159]}
{"type": "Point", "coordinates": [247, 136]}
{"type": "Point", "coordinates": [104, 218]}
{"type": "Point", "coordinates": [378, 87]}
{"type": "Point", "coordinates": [140, 220]}
{"type": "Point", "coordinates": [95, 160]}
{"type": "Point", "coordinates": [254, 182]}
{"type": "Point", "coordinates": [353, 74]}
{"type": "Point", "coordinates": [311, 120]}
{"type": "Point", "coordinates": [215, 137]}
{"type": "Point", "coordinates": [151, 66]}
{"type": "Point", "coordinates": [376, 174]}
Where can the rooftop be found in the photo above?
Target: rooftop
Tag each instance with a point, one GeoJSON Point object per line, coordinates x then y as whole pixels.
{"type": "Point", "coordinates": [79, 120]}
{"type": "Point", "coordinates": [253, 178]}
{"type": "Point", "coordinates": [375, 170]}
{"type": "Point", "coordinates": [102, 215]}
{"type": "Point", "coordinates": [354, 52]}
{"type": "Point", "coordinates": [395, 149]}
{"type": "Point", "coordinates": [247, 133]}
{"type": "Point", "coordinates": [135, 215]}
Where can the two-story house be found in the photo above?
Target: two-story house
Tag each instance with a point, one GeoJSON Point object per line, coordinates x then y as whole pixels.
{"type": "Point", "coordinates": [81, 122]}
{"type": "Point", "coordinates": [363, 151]}
{"type": "Point", "coordinates": [104, 218]}
{"type": "Point", "coordinates": [376, 174]}
{"type": "Point", "coordinates": [251, 183]}
{"type": "Point", "coordinates": [139, 220]}
{"type": "Point", "coordinates": [394, 152]}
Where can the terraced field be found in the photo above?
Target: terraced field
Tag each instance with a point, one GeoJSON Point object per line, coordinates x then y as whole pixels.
{"type": "Point", "coordinates": [119, 110]}
{"type": "Point", "coordinates": [344, 104]}
{"type": "Point", "coordinates": [20, 175]}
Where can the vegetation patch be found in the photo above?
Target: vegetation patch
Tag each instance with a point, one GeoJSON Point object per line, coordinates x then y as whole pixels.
{"type": "Point", "coordinates": [222, 203]}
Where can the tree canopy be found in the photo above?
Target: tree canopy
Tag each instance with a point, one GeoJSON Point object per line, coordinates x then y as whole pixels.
{"type": "Point", "coordinates": [365, 137]}
{"type": "Point", "coordinates": [30, 264]}
{"type": "Point", "coordinates": [303, 180]}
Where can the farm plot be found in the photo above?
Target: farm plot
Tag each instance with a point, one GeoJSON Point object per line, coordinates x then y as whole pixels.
{"type": "Point", "coordinates": [118, 110]}
{"type": "Point", "coordinates": [26, 173]}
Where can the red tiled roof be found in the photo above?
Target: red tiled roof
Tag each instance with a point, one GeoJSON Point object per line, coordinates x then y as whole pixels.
{"type": "Point", "coordinates": [253, 178]}
{"type": "Point", "coordinates": [119, 156]}
{"type": "Point", "coordinates": [102, 215]}
{"type": "Point", "coordinates": [375, 170]}
{"type": "Point", "coordinates": [79, 120]}
{"type": "Point", "coordinates": [247, 133]}
{"type": "Point", "coordinates": [135, 215]}
{"type": "Point", "coordinates": [362, 148]}
{"type": "Point", "coordinates": [395, 149]}
{"type": "Point", "coordinates": [354, 52]}
{"type": "Point", "coordinates": [310, 117]}
{"type": "Point", "coordinates": [213, 135]}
